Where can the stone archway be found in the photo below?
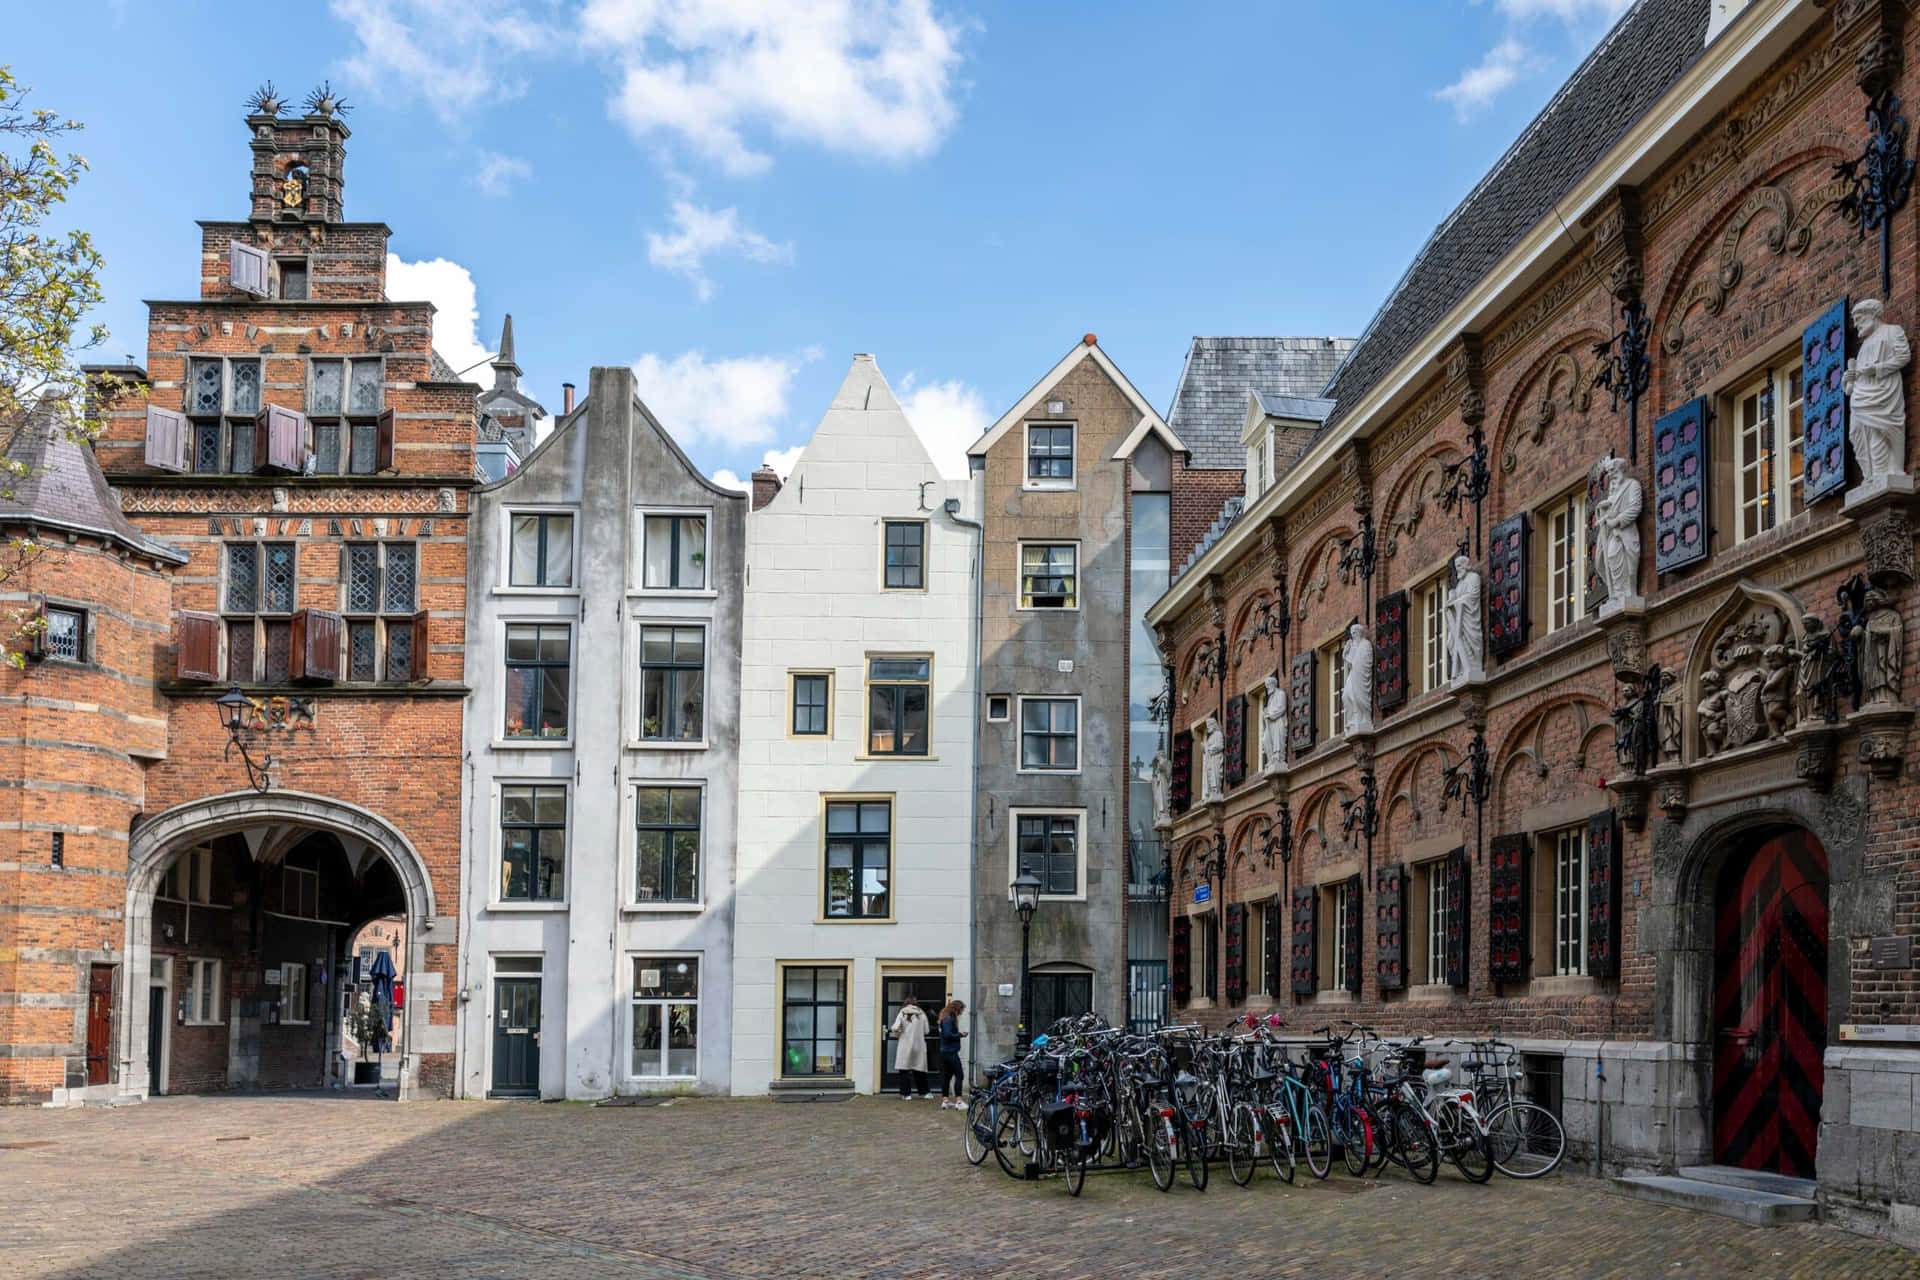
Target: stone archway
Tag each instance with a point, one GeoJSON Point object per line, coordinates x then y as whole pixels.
{"type": "Point", "coordinates": [154, 843]}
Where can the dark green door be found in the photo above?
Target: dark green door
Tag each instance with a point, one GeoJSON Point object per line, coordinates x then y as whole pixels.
{"type": "Point", "coordinates": [516, 1038]}
{"type": "Point", "coordinates": [156, 1035]}
{"type": "Point", "coordinates": [931, 993]}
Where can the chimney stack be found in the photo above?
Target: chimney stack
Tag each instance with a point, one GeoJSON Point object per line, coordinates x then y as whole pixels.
{"type": "Point", "coordinates": [766, 483]}
{"type": "Point", "coordinates": [566, 398]}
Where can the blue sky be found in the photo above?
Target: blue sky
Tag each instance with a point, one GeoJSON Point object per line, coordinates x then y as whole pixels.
{"type": "Point", "coordinates": [734, 196]}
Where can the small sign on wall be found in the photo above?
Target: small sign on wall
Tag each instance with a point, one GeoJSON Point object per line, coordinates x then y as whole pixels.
{"type": "Point", "coordinates": [1203, 893]}
{"type": "Point", "coordinates": [1006, 988]}
{"type": "Point", "coordinates": [1894, 1033]}
{"type": "Point", "coordinates": [273, 977]}
{"type": "Point", "coordinates": [1894, 952]}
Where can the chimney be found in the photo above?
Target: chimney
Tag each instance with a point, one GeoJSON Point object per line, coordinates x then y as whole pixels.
{"type": "Point", "coordinates": [766, 483]}
{"type": "Point", "coordinates": [566, 398]}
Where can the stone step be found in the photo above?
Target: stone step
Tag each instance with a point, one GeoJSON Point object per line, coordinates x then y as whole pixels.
{"type": "Point", "coordinates": [1761, 1208]}
{"type": "Point", "coordinates": [1778, 1184]}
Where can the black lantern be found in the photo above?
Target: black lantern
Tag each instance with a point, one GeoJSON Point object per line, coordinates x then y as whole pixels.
{"type": "Point", "coordinates": [234, 708]}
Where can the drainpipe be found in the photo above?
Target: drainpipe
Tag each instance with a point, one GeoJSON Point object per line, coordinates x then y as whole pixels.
{"type": "Point", "coordinates": [952, 508]}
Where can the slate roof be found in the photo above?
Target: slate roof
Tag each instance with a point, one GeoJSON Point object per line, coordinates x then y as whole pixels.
{"type": "Point", "coordinates": [1642, 56]}
{"type": "Point", "coordinates": [1210, 403]}
{"type": "Point", "coordinates": [1303, 408]}
{"type": "Point", "coordinates": [63, 489]}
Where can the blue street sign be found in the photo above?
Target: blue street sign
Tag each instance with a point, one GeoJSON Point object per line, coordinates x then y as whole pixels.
{"type": "Point", "coordinates": [1202, 892]}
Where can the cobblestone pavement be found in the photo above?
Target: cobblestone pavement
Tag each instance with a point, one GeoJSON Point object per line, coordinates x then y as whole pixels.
{"type": "Point", "coordinates": [317, 1187]}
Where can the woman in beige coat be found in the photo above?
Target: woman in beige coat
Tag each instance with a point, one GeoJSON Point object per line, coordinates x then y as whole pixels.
{"type": "Point", "coordinates": [910, 1056]}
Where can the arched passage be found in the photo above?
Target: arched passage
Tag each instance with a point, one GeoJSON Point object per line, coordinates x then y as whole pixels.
{"type": "Point", "coordinates": [275, 883]}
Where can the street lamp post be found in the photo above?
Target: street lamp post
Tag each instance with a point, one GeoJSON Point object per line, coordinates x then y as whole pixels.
{"type": "Point", "coordinates": [1026, 899]}
{"type": "Point", "coordinates": [234, 707]}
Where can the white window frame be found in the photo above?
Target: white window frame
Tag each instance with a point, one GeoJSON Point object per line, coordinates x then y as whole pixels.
{"type": "Point", "coordinates": [1569, 901]}
{"type": "Point", "coordinates": [1337, 934]}
{"type": "Point", "coordinates": [1020, 575]}
{"type": "Point", "coordinates": [1020, 730]}
{"type": "Point", "coordinates": [1336, 669]}
{"type": "Point", "coordinates": [496, 816]}
{"type": "Point", "coordinates": [198, 874]}
{"type": "Point", "coordinates": [1259, 919]}
{"type": "Point", "coordinates": [1781, 497]}
{"type": "Point", "coordinates": [706, 591]}
{"type": "Point", "coordinates": [1202, 958]}
{"type": "Point", "coordinates": [505, 586]}
{"type": "Point", "coordinates": [634, 1001]}
{"type": "Point", "coordinates": [1026, 458]}
{"type": "Point", "coordinates": [293, 978]}
{"type": "Point", "coordinates": [1435, 875]}
{"type": "Point", "coordinates": [1256, 741]}
{"type": "Point", "coordinates": [1565, 603]}
{"type": "Point", "coordinates": [83, 637]}
{"type": "Point", "coordinates": [501, 742]}
{"type": "Point", "coordinates": [198, 970]}
{"type": "Point", "coordinates": [1006, 708]}
{"type": "Point", "coordinates": [632, 903]}
{"type": "Point", "coordinates": [1080, 848]}
{"type": "Point", "coordinates": [1436, 664]}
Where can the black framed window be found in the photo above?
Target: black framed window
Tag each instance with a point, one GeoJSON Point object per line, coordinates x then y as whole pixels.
{"type": "Point", "coordinates": [906, 555]}
{"type": "Point", "coordinates": [813, 1020]}
{"type": "Point", "coordinates": [538, 679]}
{"type": "Point", "coordinates": [1050, 453]}
{"type": "Point", "coordinates": [533, 843]}
{"type": "Point", "coordinates": [66, 634]}
{"type": "Point", "coordinates": [672, 683]}
{"type": "Point", "coordinates": [1049, 575]}
{"type": "Point", "coordinates": [859, 858]}
{"type": "Point", "coordinates": [541, 554]}
{"type": "Point", "coordinates": [1049, 733]}
{"type": "Point", "coordinates": [675, 553]}
{"type": "Point", "coordinates": [898, 692]}
{"type": "Point", "coordinates": [810, 705]}
{"type": "Point", "coordinates": [669, 845]}
{"type": "Point", "coordinates": [1049, 848]}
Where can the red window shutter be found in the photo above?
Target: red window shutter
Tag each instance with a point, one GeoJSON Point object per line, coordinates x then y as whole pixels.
{"type": "Point", "coordinates": [1235, 769]}
{"type": "Point", "coordinates": [1603, 896]}
{"type": "Point", "coordinates": [1390, 651]}
{"type": "Point", "coordinates": [1181, 798]}
{"type": "Point", "coordinates": [1236, 952]}
{"type": "Point", "coordinates": [166, 439]}
{"type": "Point", "coordinates": [383, 441]}
{"type": "Point", "coordinates": [1180, 960]}
{"type": "Point", "coordinates": [279, 440]}
{"type": "Point", "coordinates": [1275, 949]}
{"type": "Point", "coordinates": [1389, 927]}
{"type": "Point", "coordinates": [316, 646]}
{"type": "Point", "coordinates": [197, 648]}
{"type": "Point", "coordinates": [1459, 908]}
{"type": "Point", "coordinates": [247, 268]}
{"type": "Point", "coordinates": [1306, 960]}
{"type": "Point", "coordinates": [1355, 918]}
{"type": "Point", "coordinates": [419, 623]}
{"type": "Point", "coordinates": [1509, 910]}
{"type": "Point", "coordinates": [1301, 726]}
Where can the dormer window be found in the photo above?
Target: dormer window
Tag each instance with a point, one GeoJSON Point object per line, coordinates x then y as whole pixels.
{"type": "Point", "coordinates": [1049, 456]}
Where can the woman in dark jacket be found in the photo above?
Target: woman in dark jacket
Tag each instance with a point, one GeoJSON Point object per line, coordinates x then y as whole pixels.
{"type": "Point", "coordinates": [953, 1076]}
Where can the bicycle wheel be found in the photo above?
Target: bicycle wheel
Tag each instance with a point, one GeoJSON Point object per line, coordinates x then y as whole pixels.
{"type": "Point", "coordinates": [1412, 1144]}
{"type": "Point", "coordinates": [1527, 1141]}
{"type": "Point", "coordinates": [979, 1130]}
{"type": "Point", "coordinates": [1278, 1134]}
{"type": "Point", "coordinates": [1012, 1145]}
{"type": "Point", "coordinates": [1076, 1170]}
{"type": "Point", "coordinates": [1463, 1143]}
{"type": "Point", "coordinates": [1237, 1137]}
{"type": "Point", "coordinates": [1318, 1142]}
{"type": "Point", "coordinates": [1196, 1144]}
{"type": "Point", "coordinates": [1356, 1141]}
{"type": "Point", "coordinates": [1160, 1149]}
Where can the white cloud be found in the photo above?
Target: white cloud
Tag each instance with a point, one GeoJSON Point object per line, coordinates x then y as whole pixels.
{"type": "Point", "coordinates": [1570, 12]}
{"type": "Point", "coordinates": [450, 52]}
{"type": "Point", "coordinates": [700, 233]}
{"type": "Point", "coordinates": [456, 318]}
{"type": "Point", "coordinates": [737, 400]}
{"type": "Point", "coordinates": [1478, 86]}
{"type": "Point", "coordinates": [781, 460]}
{"type": "Point", "coordinates": [498, 173]}
{"type": "Point", "coordinates": [947, 416]}
{"type": "Point", "coordinates": [870, 77]}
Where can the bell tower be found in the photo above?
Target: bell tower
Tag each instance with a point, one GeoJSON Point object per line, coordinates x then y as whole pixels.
{"type": "Point", "coordinates": [297, 160]}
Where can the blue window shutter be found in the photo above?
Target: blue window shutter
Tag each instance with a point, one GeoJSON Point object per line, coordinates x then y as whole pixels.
{"type": "Point", "coordinates": [1823, 443]}
{"type": "Point", "coordinates": [1680, 519]}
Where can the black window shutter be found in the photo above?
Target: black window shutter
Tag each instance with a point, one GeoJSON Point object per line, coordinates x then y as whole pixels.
{"type": "Point", "coordinates": [1235, 730]}
{"type": "Point", "coordinates": [1236, 952]}
{"type": "Point", "coordinates": [1603, 896]}
{"type": "Point", "coordinates": [1459, 911]}
{"type": "Point", "coordinates": [1356, 895]}
{"type": "Point", "coordinates": [1305, 963]}
{"type": "Point", "coordinates": [1390, 651]}
{"type": "Point", "coordinates": [1389, 927]}
{"type": "Point", "coordinates": [1210, 939]}
{"type": "Point", "coordinates": [1680, 520]}
{"type": "Point", "coordinates": [1823, 446]}
{"type": "Point", "coordinates": [1507, 585]}
{"type": "Point", "coordinates": [1275, 950]}
{"type": "Point", "coordinates": [1182, 798]}
{"type": "Point", "coordinates": [1509, 909]}
{"type": "Point", "coordinates": [1300, 721]}
{"type": "Point", "coordinates": [1180, 960]}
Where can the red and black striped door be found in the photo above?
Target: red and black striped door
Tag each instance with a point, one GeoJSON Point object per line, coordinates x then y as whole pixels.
{"type": "Point", "coordinates": [1770, 1005]}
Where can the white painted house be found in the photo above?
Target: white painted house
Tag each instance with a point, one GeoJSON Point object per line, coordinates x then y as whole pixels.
{"type": "Point", "coordinates": [856, 750]}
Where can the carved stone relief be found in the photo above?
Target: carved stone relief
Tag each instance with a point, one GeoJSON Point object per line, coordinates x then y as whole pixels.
{"type": "Point", "coordinates": [1575, 397]}
{"type": "Point", "coordinates": [1788, 235]}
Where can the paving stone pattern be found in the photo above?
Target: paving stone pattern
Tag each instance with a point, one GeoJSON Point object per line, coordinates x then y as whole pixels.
{"type": "Point", "coordinates": [321, 1188]}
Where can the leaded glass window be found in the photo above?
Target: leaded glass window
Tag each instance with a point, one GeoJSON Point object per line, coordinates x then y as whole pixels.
{"type": "Point", "coordinates": [399, 652]}
{"type": "Point", "coordinates": [363, 577]}
{"type": "Point", "coordinates": [361, 662]}
{"type": "Point", "coordinates": [326, 448]}
{"type": "Point", "coordinates": [364, 394]}
{"type": "Point", "coordinates": [205, 395]}
{"type": "Point", "coordinates": [243, 577]}
{"type": "Point", "coordinates": [279, 650]}
{"type": "Point", "coordinates": [361, 462]}
{"type": "Point", "coordinates": [325, 394]}
{"type": "Point", "coordinates": [279, 578]}
{"type": "Point", "coordinates": [246, 387]}
{"type": "Point", "coordinates": [399, 593]}
{"type": "Point", "coordinates": [206, 447]}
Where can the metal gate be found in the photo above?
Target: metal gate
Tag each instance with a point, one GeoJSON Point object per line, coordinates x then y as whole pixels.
{"type": "Point", "coordinates": [1146, 995]}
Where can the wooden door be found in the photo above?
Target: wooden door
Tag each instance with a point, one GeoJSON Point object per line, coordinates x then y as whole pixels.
{"type": "Point", "coordinates": [99, 1022]}
{"type": "Point", "coordinates": [1770, 1005]}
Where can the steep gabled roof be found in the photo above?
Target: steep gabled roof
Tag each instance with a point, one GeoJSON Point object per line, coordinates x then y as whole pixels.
{"type": "Point", "coordinates": [1210, 402]}
{"type": "Point", "coordinates": [63, 489]}
{"type": "Point", "coordinates": [1088, 348]}
{"type": "Point", "coordinates": [1642, 56]}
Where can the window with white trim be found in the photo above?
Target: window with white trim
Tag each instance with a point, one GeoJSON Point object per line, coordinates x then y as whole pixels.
{"type": "Point", "coordinates": [1434, 874]}
{"type": "Point", "coordinates": [1436, 664]}
{"type": "Point", "coordinates": [1563, 534]}
{"type": "Point", "coordinates": [539, 673]}
{"type": "Point", "coordinates": [1047, 846]}
{"type": "Point", "coordinates": [1049, 735]}
{"type": "Point", "coordinates": [1049, 455]}
{"type": "Point", "coordinates": [540, 550]}
{"type": "Point", "coordinates": [293, 993]}
{"type": "Point", "coordinates": [669, 844]}
{"type": "Point", "coordinates": [204, 1002]}
{"type": "Point", "coordinates": [1767, 462]}
{"type": "Point", "coordinates": [673, 684]}
{"type": "Point", "coordinates": [1049, 575]}
{"type": "Point", "coordinates": [533, 843]}
{"type": "Point", "coordinates": [1333, 916]}
{"type": "Point", "coordinates": [1569, 900]}
{"type": "Point", "coordinates": [675, 553]}
{"type": "Point", "coordinates": [1333, 661]}
{"type": "Point", "coordinates": [666, 1017]}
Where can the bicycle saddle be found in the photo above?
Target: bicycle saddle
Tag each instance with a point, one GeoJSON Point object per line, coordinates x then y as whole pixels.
{"type": "Point", "coordinates": [1185, 1079]}
{"type": "Point", "coordinates": [1437, 1076]}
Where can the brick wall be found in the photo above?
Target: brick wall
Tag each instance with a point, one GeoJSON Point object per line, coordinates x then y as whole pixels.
{"type": "Point", "coordinates": [1195, 505]}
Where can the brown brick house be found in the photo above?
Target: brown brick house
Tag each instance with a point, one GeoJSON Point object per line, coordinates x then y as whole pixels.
{"type": "Point", "coordinates": [300, 461]}
{"type": "Point", "coordinates": [1654, 791]}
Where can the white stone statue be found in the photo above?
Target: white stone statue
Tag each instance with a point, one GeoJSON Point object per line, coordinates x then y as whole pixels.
{"type": "Point", "coordinates": [1616, 526]}
{"type": "Point", "coordinates": [1162, 789]}
{"type": "Point", "coordinates": [1356, 692]}
{"type": "Point", "coordinates": [1876, 402]}
{"type": "Point", "coordinates": [1273, 727]}
{"type": "Point", "coordinates": [1214, 762]}
{"type": "Point", "coordinates": [1465, 624]}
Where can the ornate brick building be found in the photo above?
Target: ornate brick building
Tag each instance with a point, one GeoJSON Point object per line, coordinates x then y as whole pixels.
{"type": "Point", "coordinates": [299, 460]}
{"type": "Point", "coordinates": [1664, 840]}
